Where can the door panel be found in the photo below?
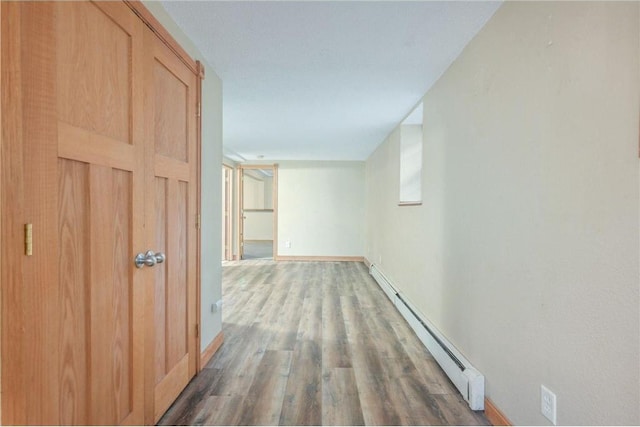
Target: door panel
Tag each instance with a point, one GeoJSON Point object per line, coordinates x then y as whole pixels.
{"type": "Point", "coordinates": [110, 294]}
{"type": "Point", "coordinates": [160, 284]}
{"type": "Point", "coordinates": [94, 68]}
{"type": "Point", "coordinates": [170, 118]}
{"type": "Point", "coordinates": [177, 286]}
{"type": "Point", "coordinates": [171, 215]}
{"type": "Point", "coordinates": [102, 164]}
{"type": "Point", "coordinates": [96, 334]}
{"type": "Point", "coordinates": [78, 308]}
{"type": "Point", "coordinates": [73, 275]}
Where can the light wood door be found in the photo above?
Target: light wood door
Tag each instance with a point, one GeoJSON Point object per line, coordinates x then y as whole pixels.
{"type": "Point", "coordinates": [72, 336]}
{"type": "Point", "coordinates": [99, 156]}
{"type": "Point", "coordinates": [171, 214]}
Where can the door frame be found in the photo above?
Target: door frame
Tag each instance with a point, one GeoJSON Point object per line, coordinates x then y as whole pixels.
{"type": "Point", "coordinates": [227, 216]}
{"type": "Point", "coordinates": [1, 211]}
{"type": "Point", "coordinates": [199, 78]}
{"type": "Point", "coordinates": [239, 217]}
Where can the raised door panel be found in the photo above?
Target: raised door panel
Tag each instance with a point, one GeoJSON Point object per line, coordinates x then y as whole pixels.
{"type": "Point", "coordinates": [95, 271]}
{"type": "Point", "coordinates": [160, 283]}
{"type": "Point", "coordinates": [94, 67]}
{"type": "Point", "coordinates": [73, 229]}
{"type": "Point", "coordinates": [170, 115]}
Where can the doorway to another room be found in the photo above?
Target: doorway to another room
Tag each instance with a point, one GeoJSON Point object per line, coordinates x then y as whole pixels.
{"type": "Point", "coordinates": [258, 211]}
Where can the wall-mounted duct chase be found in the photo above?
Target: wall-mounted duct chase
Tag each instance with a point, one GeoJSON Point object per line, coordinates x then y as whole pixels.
{"type": "Point", "coordinates": [462, 374]}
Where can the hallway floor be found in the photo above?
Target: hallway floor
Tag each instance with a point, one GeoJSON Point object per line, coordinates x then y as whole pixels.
{"type": "Point", "coordinates": [311, 343]}
{"type": "Point", "coordinates": [257, 249]}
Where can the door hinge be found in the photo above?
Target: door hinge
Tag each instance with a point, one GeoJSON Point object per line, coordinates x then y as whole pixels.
{"type": "Point", "coordinates": [197, 331]}
{"type": "Point", "coordinates": [198, 219]}
{"type": "Point", "coordinates": [199, 109]}
{"type": "Point", "coordinates": [28, 239]}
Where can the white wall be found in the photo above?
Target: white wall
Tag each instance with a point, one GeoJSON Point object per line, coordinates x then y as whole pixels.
{"type": "Point", "coordinates": [410, 163]}
{"type": "Point", "coordinates": [525, 251]}
{"type": "Point", "coordinates": [258, 225]}
{"type": "Point", "coordinates": [321, 208]}
{"type": "Point", "coordinates": [211, 270]}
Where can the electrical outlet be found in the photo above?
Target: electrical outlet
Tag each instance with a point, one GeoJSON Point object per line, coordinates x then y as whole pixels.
{"type": "Point", "coordinates": [215, 307]}
{"type": "Point", "coordinates": [548, 404]}
{"type": "Point", "coordinates": [287, 244]}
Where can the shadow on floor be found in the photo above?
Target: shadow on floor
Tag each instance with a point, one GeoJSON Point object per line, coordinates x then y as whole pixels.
{"type": "Point", "coordinates": [258, 249]}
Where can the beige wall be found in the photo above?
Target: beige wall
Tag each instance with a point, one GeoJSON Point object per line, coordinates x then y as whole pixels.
{"type": "Point", "coordinates": [410, 163]}
{"type": "Point", "coordinates": [320, 208]}
{"type": "Point", "coordinates": [525, 252]}
{"type": "Point", "coordinates": [211, 270]}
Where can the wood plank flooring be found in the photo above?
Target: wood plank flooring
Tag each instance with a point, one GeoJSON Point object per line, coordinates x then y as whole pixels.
{"type": "Point", "coordinates": [316, 343]}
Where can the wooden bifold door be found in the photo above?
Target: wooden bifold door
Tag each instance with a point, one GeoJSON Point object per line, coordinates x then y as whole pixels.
{"type": "Point", "coordinates": [99, 164]}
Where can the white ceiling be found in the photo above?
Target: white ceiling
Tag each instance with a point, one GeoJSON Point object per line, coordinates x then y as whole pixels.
{"type": "Point", "coordinates": [324, 80]}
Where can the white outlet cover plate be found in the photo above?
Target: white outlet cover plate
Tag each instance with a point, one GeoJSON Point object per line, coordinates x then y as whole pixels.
{"type": "Point", "coordinates": [548, 404]}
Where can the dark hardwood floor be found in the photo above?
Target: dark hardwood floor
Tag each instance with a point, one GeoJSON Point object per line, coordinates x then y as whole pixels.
{"type": "Point", "coordinates": [316, 343]}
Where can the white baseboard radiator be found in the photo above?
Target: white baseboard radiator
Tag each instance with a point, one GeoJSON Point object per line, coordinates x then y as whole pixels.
{"type": "Point", "coordinates": [465, 377]}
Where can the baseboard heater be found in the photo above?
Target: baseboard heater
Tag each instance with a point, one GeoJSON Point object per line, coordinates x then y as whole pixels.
{"type": "Point", "coordinates": [465, 377]}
